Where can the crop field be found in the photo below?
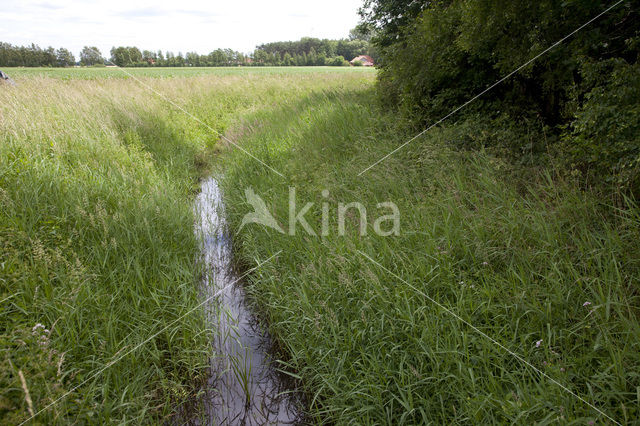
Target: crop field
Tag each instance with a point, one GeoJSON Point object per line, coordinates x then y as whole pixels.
{"type": "Point", "coordinates": [100, 73]}
{"type": "Point", "coordinates": [507, 294]}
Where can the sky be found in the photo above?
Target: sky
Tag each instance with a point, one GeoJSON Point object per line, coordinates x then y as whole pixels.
{"type": "Point", "coordinates": [176, 25]}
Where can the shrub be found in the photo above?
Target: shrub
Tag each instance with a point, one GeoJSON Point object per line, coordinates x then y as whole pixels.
{"type": "Point", "coordinates": [338, 61]}
{"type": "Point", "coordinates": [436, 56]}
{"type": "Point", "coordinates": [604, 139]}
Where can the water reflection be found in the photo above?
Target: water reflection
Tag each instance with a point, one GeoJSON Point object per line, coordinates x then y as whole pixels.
{"type": "Point", "coordinates": [244, 388]}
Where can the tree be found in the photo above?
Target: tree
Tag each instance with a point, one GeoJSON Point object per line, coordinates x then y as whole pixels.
{"type": "Point", "coordinates": [90, 56]}
{"type": "Point", "coordinates": [361, 32]}
{"type": "Point", "coordinates": [260, 56]}
{"type": "Point", "coordinates": [436, 55]}
{"type": "Point", "coordinates": [351, 49]}
{"type": "Point", "coordinates": [390, 18]}
{"type": "Point", "coordinates": [337, 61]}
{"type": "Point", "coordinates": [134, 55]}
{"type": "Point", "coordinates": [149, 57]}
{"type": "Point", "coordinates": [49, 58]}
{"type": "Point", "coordinates": [119, 56]}
{"type": "Point", "coordinates": [179, 60]}
{"type": "Point", "coordinates": [65, 58]}
{"type": "Point", "coordinates": [126, 56]}
{"type": "Point", "coordinates": [312, 58]}
{"type": "Point", "coordinates": [287, 60]}
{"type": "Point", "coordinates": [193, 59]}
{"type": "Point", "coordinates": [170, 59]}
{"type": "Point", "coordinates": [32, 56]}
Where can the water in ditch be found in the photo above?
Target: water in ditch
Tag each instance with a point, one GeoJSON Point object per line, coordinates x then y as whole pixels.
{"type": "Point", "coordinates": [244, 388]}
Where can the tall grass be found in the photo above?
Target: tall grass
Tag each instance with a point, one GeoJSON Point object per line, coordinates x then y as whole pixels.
{"type": "Point", "coordinates": [97, 179]}
{"type": "Point", "coordinates": [99, 73]}
{"type": "Point", "coordinates": [98, 254]}
{"type": "Point", "coordinates": [548, 271]}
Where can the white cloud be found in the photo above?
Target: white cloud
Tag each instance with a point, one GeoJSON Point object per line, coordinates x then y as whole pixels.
{"type": "Point", "coordinates": [175, 25]}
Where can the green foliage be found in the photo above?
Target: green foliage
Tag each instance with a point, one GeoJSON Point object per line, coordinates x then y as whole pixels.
{"type": "Point", "coordinates": [437, 55]}
{"type": "Point", "coordinates": [307, 51]}
{"type": "Point", "coordinates": [126, 56]}
{"type": "Point", "coordinates": [357, 44]}
{"type": "Point", "coordinates": [90, 56]}
{"type": "Point", "coordinates": [27, 56]}
{"type": "Point", "coordinates": [519, 254]}
{"type": "Point", "coordinates": [65, 58]}
{"type": "Point", "coordinates": [338, 61]}
{"type": "Point", "coordinates": [361, 32]}
{"type": "Point", "coordinates": [604, 137]}
{"type": "Point", "coordinates": [515, 253]}
{"type": "Point", "coordinates": [389, 17]}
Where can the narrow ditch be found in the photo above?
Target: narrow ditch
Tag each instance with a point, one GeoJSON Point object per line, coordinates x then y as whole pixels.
{"type": "Point", "coordinates": [244, 388]}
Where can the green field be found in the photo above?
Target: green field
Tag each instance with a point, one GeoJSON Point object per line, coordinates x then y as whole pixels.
{"type": "Point", "coordinates": [97, 182]}
{"type": "Point", "coordinates": [114, 72]}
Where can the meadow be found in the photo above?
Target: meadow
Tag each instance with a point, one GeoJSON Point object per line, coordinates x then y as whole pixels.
{"type": "Point", "coordinates": [99, 259]}
{"type": "Point", "coordinates": [98, 265]}
{"type": "Point", "coordinates": [100, 73]}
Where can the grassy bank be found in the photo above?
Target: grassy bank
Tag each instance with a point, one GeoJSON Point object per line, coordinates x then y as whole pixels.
{"type": "Point", "coordinates": [98, 270]}
{"type": "Point", "coordinates": [542, 269]}
{"type": "Point", "coordinates": [98, 259]}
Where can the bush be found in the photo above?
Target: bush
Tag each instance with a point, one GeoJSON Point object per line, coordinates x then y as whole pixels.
{"type": "Point", "coordinates": [604, 139]}
{"type": "Point", "coordinates": [338, 61]}
{"type": "Point", "coordinates": [439, 56]}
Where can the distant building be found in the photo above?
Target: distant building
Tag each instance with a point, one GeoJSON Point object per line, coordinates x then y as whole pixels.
{"type": "Point", "coordinates": [366, 60]}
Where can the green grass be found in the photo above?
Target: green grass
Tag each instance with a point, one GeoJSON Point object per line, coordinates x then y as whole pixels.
{"type": "Point", "coordinates": [97, 182]}
{"type": "Point", "coordinates": [90, 73]}
{"type": "Point", "coordinates": [516, 253]}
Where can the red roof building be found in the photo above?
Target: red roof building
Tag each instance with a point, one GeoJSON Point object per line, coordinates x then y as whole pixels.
{"type": "Point", "coordinates": [366, 60]}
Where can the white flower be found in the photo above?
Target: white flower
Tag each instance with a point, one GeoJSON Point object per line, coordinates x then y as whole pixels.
{"type": "Point", "coordinates": [35, 328]}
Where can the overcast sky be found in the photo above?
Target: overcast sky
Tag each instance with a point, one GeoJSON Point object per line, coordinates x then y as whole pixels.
{"type": "Point", "coordinates": [177, 25]}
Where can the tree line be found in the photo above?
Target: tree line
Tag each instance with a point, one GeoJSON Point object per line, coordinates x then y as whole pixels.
{"type": "Point", "coordinates": [578, 103]}
{"type": "Point", "coordinates": [34, 56]}
{"type": "Point", "coordinates": [307, 51]}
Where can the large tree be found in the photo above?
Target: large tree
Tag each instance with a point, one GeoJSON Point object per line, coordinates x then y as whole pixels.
{"type": "Point", "coordinates": [65, 58]}
{"type": "Point", "coordinates": [126, 56]}
{"type": "Point", "coordinates": [90, 55]}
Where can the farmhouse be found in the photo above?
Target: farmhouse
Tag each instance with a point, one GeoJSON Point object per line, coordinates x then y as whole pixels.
{"type": "Point", "coordinates": [366, 60]}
